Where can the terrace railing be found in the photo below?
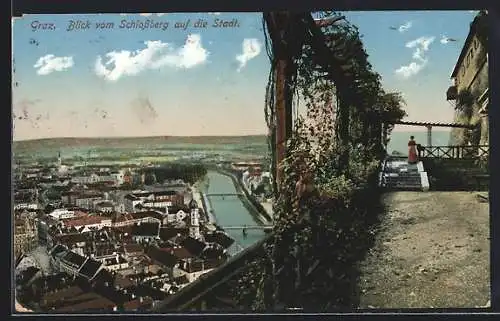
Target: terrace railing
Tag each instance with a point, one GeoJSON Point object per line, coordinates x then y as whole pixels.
{"type": "Point", "coordinates": [456, 152]}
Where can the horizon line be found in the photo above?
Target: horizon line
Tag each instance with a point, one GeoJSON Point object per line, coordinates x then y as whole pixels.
{"type": "Point", "coordinates": [131, 137]}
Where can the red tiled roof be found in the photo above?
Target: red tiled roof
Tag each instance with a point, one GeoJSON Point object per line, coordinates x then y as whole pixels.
{"type": "Point", "coordinates": [124, 229]}
{"type": "Point", "coordinates": [139, 215]}
{"type": "Point", "coordinates": [85, 221]}
{"type": "Point", "coordinates": [136, 304]}
{"type": "Point", "coordinates": [51, 297]}
{"type": "Point", "coordinates": [181, 253]}
{"type": "Point", "coordinates": [99, 303]}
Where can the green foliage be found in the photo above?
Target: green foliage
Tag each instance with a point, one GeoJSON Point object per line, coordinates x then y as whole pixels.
{"type": "Point", "coordinates": [465, 102]}
{"type": "Point", "coordinates": [189, 173]}
{"type": "Point", "coordinates": [327, 201]}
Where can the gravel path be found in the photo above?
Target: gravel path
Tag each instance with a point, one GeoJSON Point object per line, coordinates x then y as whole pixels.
{"type": "Point", "coordinates": [433, 251]}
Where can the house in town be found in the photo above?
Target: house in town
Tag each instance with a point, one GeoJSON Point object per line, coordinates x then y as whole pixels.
{"type": "Point", "coordinates": [87, 200]}
{"type": "Point", "coordinates": [243, 166]}
{"type": "Point", "coordinates": [219, 237]}
{"type": "Point", "coordinates": [193, 245]}
{"type": "Point", "coordinates": [168, 233]}
{"type": "Point", "coordinates": [85, 178]}
{"type": "Point", "coordinates": [74, 241]}
{"type": "Point", "coordinates": [470, 89]}
{"type": "Point", "coordinates": [70, 262]}
{"type": "Point", "coordinates": [26, 200]}
{"type": "Point", "coordinates": [90, 269]}
{"type": "Point", "coordinates": [104, 206]}
{"type": "Point", "coordinates": [194, 268]}
{"type": "Point", "coordinates": [74, 264]}
{"type": "Point", "coordinates": [115, 263]}
{"type": "Point", "coordinates": [25, 236]}
{"type": "Point", "coordinates": [88, 223]}
{"type": "Point", "coordinates": [138, 304]}
{"type": "Point", "coordinates": [176, 214]}
{"type": "Point", "coordinates": [73, 298]}
{"type": "Point", "coordinates": [145, 232]}
{"type": "Point", "coordinates": [165, 258]}
{"type": "Point", "coordinates": [62, 213]}
{"type": "Point", "coordinates": [160, 199]}
{"type": "Point", "coordinates": [130, 219]}
{"type": "Point", "coordinates": [132, 250]}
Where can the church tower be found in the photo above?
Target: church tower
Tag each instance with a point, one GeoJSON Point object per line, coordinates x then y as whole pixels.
{"type": "Point", "coordinates": [194, 226]}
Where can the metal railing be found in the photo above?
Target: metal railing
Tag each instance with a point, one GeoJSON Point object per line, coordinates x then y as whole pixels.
{"type": "Point", "coordinates": [453, 152]}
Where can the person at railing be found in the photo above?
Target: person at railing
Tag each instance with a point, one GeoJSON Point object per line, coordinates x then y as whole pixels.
{"type": "Point", "coordinates": [412, 151]}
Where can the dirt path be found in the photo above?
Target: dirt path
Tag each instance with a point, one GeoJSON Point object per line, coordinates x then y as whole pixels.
{"type": "Point", "coordinates": [433, 250]}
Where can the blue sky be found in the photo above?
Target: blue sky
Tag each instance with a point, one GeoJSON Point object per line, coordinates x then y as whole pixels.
{"type": "Point", "coordinates": [201, 81]}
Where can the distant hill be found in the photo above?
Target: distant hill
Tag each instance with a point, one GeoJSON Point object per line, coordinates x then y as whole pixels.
{"type": "Point", "coordinates": [189, 144]}
{"type": "Point", "coordinates": [113, 142]}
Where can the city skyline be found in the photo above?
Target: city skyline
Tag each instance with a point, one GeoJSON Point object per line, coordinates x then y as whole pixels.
{"type": "Point", "coordinates": [202, 81]}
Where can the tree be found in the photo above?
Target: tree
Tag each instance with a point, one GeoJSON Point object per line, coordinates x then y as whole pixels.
{"type": "Point", "coordinates": [327, 196]}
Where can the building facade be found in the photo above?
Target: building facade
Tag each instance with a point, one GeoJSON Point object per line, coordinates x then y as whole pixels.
{"type": "Point", "coordinates": [469, 92]}
{"type": "Point", "coordinates": [25, 236]}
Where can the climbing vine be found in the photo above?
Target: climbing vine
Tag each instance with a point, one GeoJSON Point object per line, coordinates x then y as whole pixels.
{"type": "Point", "coordinates": [326, 202]}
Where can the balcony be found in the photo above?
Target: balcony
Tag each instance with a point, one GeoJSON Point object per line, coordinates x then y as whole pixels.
{"type": "Point", "coordinates": [483, 100]}
{"type": "Point", "coordinates": [452, 93]}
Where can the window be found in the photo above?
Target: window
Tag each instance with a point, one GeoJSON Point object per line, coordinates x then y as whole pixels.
{"type": "Point", "coordinates": [463, 70]}
{"type": "Point", "coordinates": [476, 43]}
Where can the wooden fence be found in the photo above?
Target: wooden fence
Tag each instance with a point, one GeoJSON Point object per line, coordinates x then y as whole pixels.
{"type": "Point", "coordinates": [457, 152]}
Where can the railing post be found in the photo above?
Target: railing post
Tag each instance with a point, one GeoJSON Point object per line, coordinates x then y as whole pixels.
{"type": "Point", "coordinates": [429, 135]}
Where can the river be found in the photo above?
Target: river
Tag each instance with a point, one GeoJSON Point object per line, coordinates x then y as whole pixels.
{"type": "Point", "coordinates": [230, 211]}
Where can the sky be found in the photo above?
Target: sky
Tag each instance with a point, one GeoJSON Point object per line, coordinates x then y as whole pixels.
{"type": "Point", "coordinates": [156, 75]}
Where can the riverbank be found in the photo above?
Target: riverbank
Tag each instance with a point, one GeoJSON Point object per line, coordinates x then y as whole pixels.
{"type": "Point", "coordinates": [261, 217]}
{"type": "Point", "coordinates": [268, 206]}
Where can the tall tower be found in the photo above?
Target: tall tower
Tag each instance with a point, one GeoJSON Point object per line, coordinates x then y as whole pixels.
{"type": "Point", "coordinates": [194, 226]}
{"type": "Point", "coordinates": [59, 160]}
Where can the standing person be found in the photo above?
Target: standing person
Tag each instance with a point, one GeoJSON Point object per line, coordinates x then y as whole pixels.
{"type": "Point", "coordinates": [412, 151]}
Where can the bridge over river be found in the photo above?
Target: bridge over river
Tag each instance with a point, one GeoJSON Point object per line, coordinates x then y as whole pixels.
{"type": "Point", "coordinates": [249, 227]}
{"type": "Point", "coordinates": [223, 194]}
{"type": "Point", "coordinates": [230, 212]}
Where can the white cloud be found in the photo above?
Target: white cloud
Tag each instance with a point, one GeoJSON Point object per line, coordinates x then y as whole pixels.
{"type": "Point", "coordinates": [251, 48]}
{"type": "Point", "coordinates": [410, 70]}
{"type": "Point", "coordinates": [156, 55]}
{"type": "Point", "coordinates": [421, 46]}
{"type": "Point", "coordinates": [405, 27]}
{"type": "Point", "coordinates": [50, 63]}
{"type": "Point", "coordinates": [160, 14]}
{"type": "Point", "coordinates": [145, 14]}
{"type": "Point", "coordinates": [423, 42]}
{"type": "Point", "coordinates": [214, 13]}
